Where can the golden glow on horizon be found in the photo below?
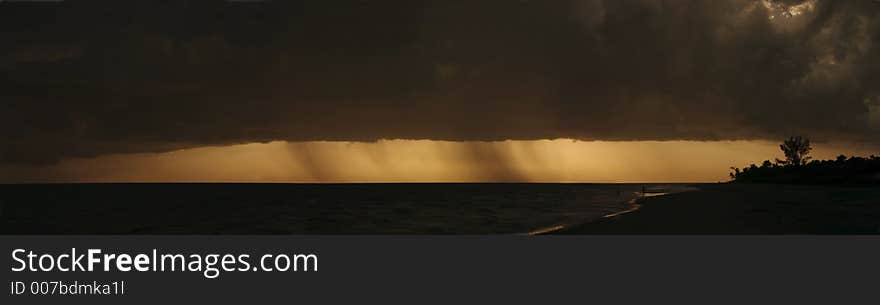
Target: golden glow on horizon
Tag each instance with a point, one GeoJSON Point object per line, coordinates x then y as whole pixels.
{"type": "Point", "coordinates": [425, 161]}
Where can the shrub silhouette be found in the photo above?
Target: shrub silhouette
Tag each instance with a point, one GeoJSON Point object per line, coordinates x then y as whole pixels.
{"type": "Point", "coordinates": [797, 168]}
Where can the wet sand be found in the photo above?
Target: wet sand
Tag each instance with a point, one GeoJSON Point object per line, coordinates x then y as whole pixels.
{"type": "Point", "coordinates": [749, 209]}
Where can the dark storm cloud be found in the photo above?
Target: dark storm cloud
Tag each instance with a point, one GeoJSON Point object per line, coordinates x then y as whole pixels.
{"type": "Point", "coordinates": [88, 78]}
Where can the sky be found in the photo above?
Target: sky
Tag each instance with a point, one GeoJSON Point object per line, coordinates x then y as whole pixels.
{"type": "Point", "coordinates": [377, 91]}
{"type": "Point", "coordinates": [423, 161]}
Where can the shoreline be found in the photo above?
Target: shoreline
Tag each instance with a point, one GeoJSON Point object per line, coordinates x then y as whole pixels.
{"type": "Point", "coordinates": [509, 209]}
{"type": "Point", "coordinates": [748, 209]}
{"type": "Point", "coordinates": [635, 204]}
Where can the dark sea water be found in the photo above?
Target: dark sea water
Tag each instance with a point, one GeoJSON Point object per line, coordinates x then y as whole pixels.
{"type": "Point", "coordinates": [222, 208]}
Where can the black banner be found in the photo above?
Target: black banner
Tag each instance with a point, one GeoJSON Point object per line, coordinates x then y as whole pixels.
{"type": "Point", "coordinates": [443, 269]}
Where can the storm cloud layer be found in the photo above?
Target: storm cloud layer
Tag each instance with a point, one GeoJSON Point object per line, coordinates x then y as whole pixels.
{"type": "Point", "coordinates": [81, 79]}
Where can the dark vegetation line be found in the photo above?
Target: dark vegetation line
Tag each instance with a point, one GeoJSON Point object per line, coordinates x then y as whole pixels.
{"type": "Point", "coordinates": [798, 168]}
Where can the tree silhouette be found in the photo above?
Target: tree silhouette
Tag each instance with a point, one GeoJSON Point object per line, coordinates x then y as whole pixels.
{"type": "Point", "coordinates": [797, 150]}
{"type": "Point", "coordinates": [796, 169]}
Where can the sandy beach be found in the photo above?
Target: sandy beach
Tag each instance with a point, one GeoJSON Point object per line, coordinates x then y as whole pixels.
{"type": "Point", "coordinates": [749, 209]}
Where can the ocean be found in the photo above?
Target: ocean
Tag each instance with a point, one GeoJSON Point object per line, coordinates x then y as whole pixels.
{"type": "Point", "coordinates": [281, 208]}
